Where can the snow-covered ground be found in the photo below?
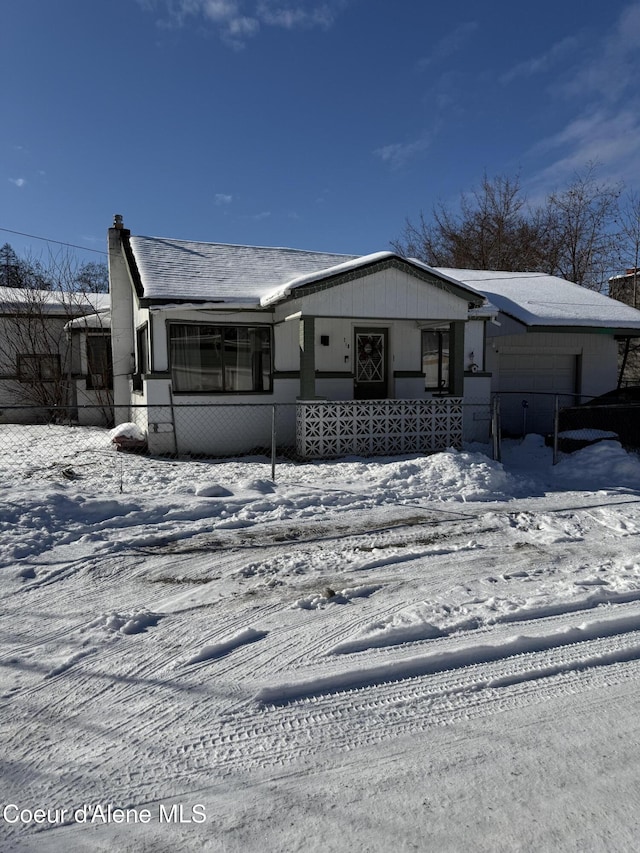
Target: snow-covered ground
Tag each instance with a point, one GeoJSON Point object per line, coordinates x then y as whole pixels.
{"type": "Point", "coordinates": [437, 653]}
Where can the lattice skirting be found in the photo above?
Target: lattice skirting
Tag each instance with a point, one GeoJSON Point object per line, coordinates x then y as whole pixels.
{"type": "Point", "coordinates": [377, 427]}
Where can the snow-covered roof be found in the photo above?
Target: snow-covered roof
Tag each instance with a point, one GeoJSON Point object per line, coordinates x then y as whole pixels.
{"type": "Point", "coordinates": [99, 320]}
{"type": "Point", "coordinates": [52, 302]}
{"type": "Point", "coordinates": [185, 271]}
{"type": "Point", "coordinates": [536, 299]}
{"type": "Point", "coordinates": [337, 269]}
{"type": "Point", "coordinates": [181, 269]}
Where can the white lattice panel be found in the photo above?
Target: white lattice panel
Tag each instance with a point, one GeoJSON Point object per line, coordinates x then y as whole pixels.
{"type": "Point", "coordinates": [378, 427]}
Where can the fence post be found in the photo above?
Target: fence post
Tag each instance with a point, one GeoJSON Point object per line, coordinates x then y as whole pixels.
{"type": "Point", "coordinates": [495, 429]}
{"type": "Point", "coordinates": [273, 443]}
{"type": "Point", "coordinates": [556, 426]}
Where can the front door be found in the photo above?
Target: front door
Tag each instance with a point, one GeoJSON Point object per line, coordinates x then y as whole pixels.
{"type": "Point", "coordinates": [370, 347]}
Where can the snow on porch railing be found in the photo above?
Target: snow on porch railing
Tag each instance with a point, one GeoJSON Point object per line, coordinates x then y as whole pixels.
{"type": "Point", "coordinates": [329, 428]}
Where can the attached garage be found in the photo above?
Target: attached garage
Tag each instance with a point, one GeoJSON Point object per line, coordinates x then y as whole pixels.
{"type": "Point", "coordinates": [548, 338]}
{"type": "Point", "coordinates": [528, 383]}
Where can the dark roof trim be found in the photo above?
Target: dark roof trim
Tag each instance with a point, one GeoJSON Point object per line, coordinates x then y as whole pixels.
{"type": "Point", "coordinates": [588, 330]}
{"type": "Point", "coordinates": [125, 234]}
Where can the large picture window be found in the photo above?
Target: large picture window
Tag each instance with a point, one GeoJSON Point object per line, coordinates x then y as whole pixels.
{"type": "Point", "coordinates": [435, 360]}
{"type": "Point", "coordinates": [220, 359]}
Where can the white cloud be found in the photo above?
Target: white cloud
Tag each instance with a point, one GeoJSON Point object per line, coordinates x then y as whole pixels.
{"type": "Point", "coordinates": [544, 62]}
{"type": "Point", "coordinates": [19, 182]}
{"type": "Point", "coordinates": [222, 198]}
{"type": "Point", "coordinates": [219, 10]}
{"type": "Point", "coordinates": [449, 44]}
{"type": "Point", "coordinates": [610, 139]}
{"type": "Point", "coordinates": [289, 17]}
{"type": "Point", "coordinates": [603, 108]}
{"type": "Point", "coordinates": [239, 20]}
{"type": "Point", "coordinates": [398, 153]}
{"type": "Point", "coordinates": [611, 70]}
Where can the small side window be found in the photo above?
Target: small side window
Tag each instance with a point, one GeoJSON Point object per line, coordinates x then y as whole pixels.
{"type": "Point", "coordinates": [435, 360]}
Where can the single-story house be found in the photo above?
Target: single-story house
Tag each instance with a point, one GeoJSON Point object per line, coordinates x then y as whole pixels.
{"type": "Point", "coordinates": [373, 354]}
{"type": "Point", "coordinates": [369, 354]}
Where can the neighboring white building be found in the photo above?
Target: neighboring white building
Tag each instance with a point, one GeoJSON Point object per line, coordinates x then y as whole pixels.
{"type": "Point", "coordinates": [91, 367]}
{"type": "Point", "coordinates": [374, 354]}
{"type": "Point", "coordinates": [37, 373]}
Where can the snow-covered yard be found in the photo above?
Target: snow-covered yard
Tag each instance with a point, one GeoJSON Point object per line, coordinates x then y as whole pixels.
{"type": "Point", "coordinates": [436, 653]}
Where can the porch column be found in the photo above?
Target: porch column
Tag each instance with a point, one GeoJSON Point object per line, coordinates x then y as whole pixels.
{"type": "Point", "coordinates": [307, 358]}
{"type": "Point", "coordinates": [456, 357]}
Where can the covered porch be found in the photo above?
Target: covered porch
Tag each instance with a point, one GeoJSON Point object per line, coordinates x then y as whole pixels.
{"type": "Point", "coordinates": [387, 411]}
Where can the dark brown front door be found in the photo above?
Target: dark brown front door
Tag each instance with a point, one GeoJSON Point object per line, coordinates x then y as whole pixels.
{"type": "Point", "coordinates": [370, 346]}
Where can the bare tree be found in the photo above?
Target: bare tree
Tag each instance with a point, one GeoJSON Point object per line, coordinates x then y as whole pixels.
{"type": "Point", "coordinates": [36, 357]}
{"type": "Point", "coordinates": [629, 242]}
{"type": "Point", "coordinates": [491, 230]}
{"type": "Point", "coordinates": [626, 287]}
{"type": "Point", "coordinates": [91, 277]}
{"type": "Point", "coordinates": [580, 228]}
{"type": "Point", "coordinates": [571, 235]}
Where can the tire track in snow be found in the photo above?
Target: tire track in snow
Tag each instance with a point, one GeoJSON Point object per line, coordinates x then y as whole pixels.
{"type": "Point", "coordinates": [455, 659]}
{"type": "Point", "coordinates": [369, 715]}
{"type": "Point", "coordinates": [246, 736]}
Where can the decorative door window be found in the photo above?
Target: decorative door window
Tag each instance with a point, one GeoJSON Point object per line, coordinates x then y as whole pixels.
{"type": "Point", "coordinates": [370, 360]}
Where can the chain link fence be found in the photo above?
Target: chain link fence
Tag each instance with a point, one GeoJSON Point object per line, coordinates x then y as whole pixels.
{"type": "Point", "coordinates": [568, 422]}
{"type": "Point", "coordinates": [247, 431]}
{"type": "Point", "coordinates": [266, 432]}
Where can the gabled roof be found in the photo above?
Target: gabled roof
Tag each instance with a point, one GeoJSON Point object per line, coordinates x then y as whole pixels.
{"type": "Point", "coordinates": [185, 270]}
{"type": "Point", "coordinates": [207, 273]}
{"type": "Point", "coordinates": [538, 300]}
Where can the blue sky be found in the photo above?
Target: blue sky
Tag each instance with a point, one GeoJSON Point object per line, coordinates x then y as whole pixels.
{"type": "Point", "coordinates": [314, 124]}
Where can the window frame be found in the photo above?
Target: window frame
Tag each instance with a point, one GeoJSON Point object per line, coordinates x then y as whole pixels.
{"type": "Point", "coordinates": [107, 369]}
{"type": "Point", "coordinates": [141, 356]}
{"type": "Point", "coordinates": [33, 377]}
{"type": "Point", "coordinates": [225, 368]}
{"type": "Point", "coordinates": [443, 386]}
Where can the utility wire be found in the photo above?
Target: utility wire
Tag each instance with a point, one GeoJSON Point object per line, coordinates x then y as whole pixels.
{"type": "Point", "coordinates": [59, 242]}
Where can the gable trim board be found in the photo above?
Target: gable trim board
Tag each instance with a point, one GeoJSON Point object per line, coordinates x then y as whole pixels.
{"type": "Point", "coordinates": [384, 261]}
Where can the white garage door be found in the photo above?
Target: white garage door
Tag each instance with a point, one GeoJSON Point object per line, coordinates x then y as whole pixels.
{"type": "Point", "coordinates": [528, 385]}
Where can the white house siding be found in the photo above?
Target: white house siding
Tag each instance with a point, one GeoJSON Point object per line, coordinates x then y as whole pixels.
{"type": "Point", "coordinates": [386, 294]}
{"type": "Point", "coordinates": [43, 335]}
{"type": "Point", "coordinates": [530, 370]}
{"type": "Point", "coordinates": [477, 408]}
{"type": "Point", "coordinates": [474, 344]}
{"type": "Point", "coordinates": [337, 356]}
{"type": "Point", "coordinates": [215, 424]}
{"type": "Point", "coordinates": [122, 299]}
{"type": "Point", "coordinates": [225, 424]}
